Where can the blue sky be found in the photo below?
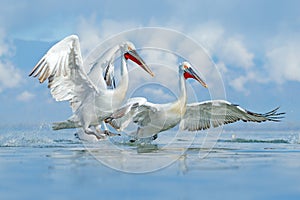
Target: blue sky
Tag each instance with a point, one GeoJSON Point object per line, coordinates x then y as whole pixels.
{"type": "Point", "coordinates": [255, 44]}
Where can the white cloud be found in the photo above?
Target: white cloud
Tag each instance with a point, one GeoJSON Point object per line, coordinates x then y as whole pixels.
{"type": "Point", "coordinates": [239, 84]}
{"type": "Point", "coordinates": [166, 75]}
{"type": "Point", "coordinates": [25, 96]}
{"type": "Point", "coordinates": [163, 63]}
{"type": "Point", "coordinates": [209, 34]}
{"type": "Point", "coordinates": [283, 60]}
{"type": "Point", "coordinates": [93, 33]}
{"type": "Point", "coordinates": [10, 76]}
{"type": "Point", "coordinates": [89, 34]}
{"type": "Point", "coordinates": [222, 67]}
{"type": "Point", "coordinates": [233, 52]}
{"type": "Point", "coordinates": [229, 50]}
{"type": "Point", "coordinates": [6, 47]}
{"type": "Point", "coordinates": [160, 94]}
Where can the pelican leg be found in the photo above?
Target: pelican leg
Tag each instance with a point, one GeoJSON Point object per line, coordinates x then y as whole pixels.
{"type": "Point", "coordinates": [106, 132]}
{"type": "Point", "coordinates": [99, 136]}
{"type": "Point", "coordinates": [146, 139]}
{"type": "Point", "coordinates": [98, 128]}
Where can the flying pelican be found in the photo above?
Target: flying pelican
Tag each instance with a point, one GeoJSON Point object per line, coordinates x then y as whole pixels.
{"type": "Point", "coordinates": [63, 66]}
{"type": "Point", "coordinates": [103, 65]}
{"type": "Point", "coordinates": [155, 118]}
{"type": "Point", "coordinates": [102, 75]}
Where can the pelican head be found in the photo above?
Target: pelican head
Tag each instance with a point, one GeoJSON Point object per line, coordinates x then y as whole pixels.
{"type": "Point", "coordinates": [188, 72]}
{"type": "Point", "coordinates": [129, 52]}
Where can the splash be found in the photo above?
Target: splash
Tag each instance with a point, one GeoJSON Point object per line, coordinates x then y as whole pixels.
{"type": "Point", "coordinates": [37, 136]}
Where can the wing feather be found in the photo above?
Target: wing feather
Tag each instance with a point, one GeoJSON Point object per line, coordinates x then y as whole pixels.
{"type": "Point", "coordinates": [62, 65]}
{"type": "Point", "coordinates": [203, 115]}
{"type": "Point", "coordinates": [136, 110]}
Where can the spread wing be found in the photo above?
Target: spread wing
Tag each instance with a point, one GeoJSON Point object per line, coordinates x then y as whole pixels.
{"type": "Point", "coordinates": [62, 65]}
{"type": "Point", "coordinates": [203, 115]}
{"type": "Point", "coordinates": [136, 110]}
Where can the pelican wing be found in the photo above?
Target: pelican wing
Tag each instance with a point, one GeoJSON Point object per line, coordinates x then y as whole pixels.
{"type": "Point", "coordinates": [144, 114]}
{"type": "Point", "coordinates": [136, 110]}
{"type": "Point", "coordinates": [200, 116]}
{"type": "Point", "coordinates": [63, 67]}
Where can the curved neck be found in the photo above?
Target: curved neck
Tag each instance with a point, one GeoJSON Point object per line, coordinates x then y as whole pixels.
{"type": "Point", "coordinates": [124, 70]}
{"type": "Point", "coordinates": [121, 89]}
{"type": "Point", "coordinates": [182, 88]}
{"type": "Point", "coordinates": [179, 106]}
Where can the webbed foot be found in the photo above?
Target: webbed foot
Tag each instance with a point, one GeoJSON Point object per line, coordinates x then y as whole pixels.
{"type": "Point", "coordinates": [154, 137]}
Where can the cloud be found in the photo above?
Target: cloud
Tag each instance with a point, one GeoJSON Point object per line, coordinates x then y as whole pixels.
{"type": "Point", "coordinates": [227, 49]}
{"type": "Point", "coordinates": [234, 59]}
{"type": "Point", "coordinates": [25, 96]}
{"type": "Point", "coordinates": [92, 32]}
{"type": "Point", "coordinates": [239, 84]}
{"type": "Point", "coordinates": [10, 76]}
{"type": "Point", "coordinates": [6, 46]}
{"type": "Point", "coordinates": [163, 63]}
{"type": "Point", "coordinates": [159, 94]}
{"type": "Point", "coordinates": [171, 49]}
{"type": "Point", "coordinates": [165, 70]}
{"type": "Point", "coordinates": [209, 34]}
{"type": "Point", "coordinates": [283, 60]}
{"type": "Point", "coordinates": [229, 53]}
{"type": "Point", "coordinates": [89, 34]}
{"type": "Point", "coordinates": [233, 52]}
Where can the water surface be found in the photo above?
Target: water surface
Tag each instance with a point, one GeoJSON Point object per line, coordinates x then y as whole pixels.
{"type": "Point", "coordinates": [37, 162]}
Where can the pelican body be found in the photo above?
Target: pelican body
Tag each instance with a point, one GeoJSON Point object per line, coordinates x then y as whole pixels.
{"type": "Point", "coordinates": [91, 104]}
{"type": "Point", "coordinates": [155, 118]}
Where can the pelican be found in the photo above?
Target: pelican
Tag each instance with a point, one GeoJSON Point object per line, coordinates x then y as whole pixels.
{"type": "Point", "coordinates": [101, 66]}
{"type": "Point", "coordinates": [63, 66]}
{"type": "Point", "coordinates": [155, 118]}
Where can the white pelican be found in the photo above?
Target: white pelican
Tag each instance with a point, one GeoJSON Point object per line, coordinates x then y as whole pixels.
{"type": "Point", "coordinates": [63, 67]}
{"type": "Point", "coordinates": [154, 118]}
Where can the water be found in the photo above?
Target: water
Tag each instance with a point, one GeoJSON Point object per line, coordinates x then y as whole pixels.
{"type": "Point", "coordinates": [37, 163]}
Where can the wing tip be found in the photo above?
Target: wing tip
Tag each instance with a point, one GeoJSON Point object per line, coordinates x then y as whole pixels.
{"type": "Point", "coordinates": [34, 71]}
{"type": "Point", "coordinates": [272, 115]}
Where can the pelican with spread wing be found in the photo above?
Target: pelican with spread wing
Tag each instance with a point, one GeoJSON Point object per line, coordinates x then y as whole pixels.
{"type": "Point", "coordinates": [67, 80]}
{"type": "Point", "coordinates": [155, 118]}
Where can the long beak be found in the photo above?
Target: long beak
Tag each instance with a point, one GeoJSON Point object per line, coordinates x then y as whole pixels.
{"type": "Point", "coordinates": [133, 55]}
{"type": "Point", "coordinates": [194, 75]}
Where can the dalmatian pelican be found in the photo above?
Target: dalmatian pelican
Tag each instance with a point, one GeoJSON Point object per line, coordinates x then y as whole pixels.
{"type": "Point", "coordinates": [63, 66]}
{"type": "Point", "coordinates": [154, 118]}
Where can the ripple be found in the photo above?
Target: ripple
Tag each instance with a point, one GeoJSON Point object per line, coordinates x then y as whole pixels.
{"type": "Point", "coordinates": [242, 140]}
